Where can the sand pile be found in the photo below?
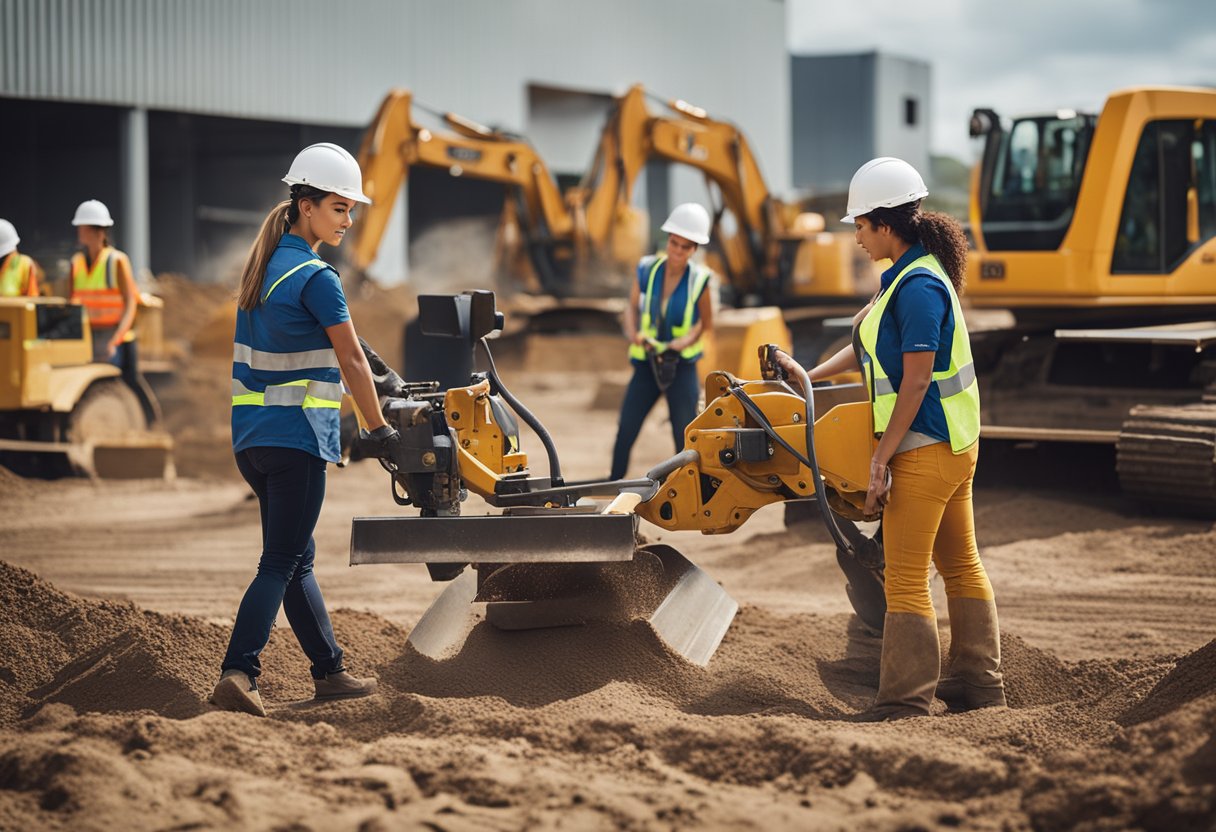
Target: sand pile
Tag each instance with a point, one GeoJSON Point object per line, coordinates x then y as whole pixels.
{"type": "Point", "coordinates": [106, 724]}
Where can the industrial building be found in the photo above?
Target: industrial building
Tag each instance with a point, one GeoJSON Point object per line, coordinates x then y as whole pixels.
{"type": "Point", "coordinates": [182, 116]}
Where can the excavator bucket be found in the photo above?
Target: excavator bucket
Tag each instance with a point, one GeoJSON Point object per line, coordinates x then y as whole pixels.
{"type": "Point", "coordinates": [549, 570]}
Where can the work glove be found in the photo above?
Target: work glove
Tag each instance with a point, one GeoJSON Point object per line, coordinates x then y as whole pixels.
{"type": "Point", "coordinates": [380, 442]}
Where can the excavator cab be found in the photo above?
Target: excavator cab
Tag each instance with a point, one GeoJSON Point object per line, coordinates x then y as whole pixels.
{"type": "Point", "coordinates": [1030, 174]}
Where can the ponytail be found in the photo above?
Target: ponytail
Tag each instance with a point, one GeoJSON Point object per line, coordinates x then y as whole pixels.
{"type": "Point", "coordinates": [281, 217]}
{"type": "Point", "coordinates": [254, 273]}
{"type": "Point", "coordinates": [943, 237]}
{"type": "Point", "coordinates": [940, 234]}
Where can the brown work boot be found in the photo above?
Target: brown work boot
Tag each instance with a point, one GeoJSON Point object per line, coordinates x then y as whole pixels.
{"type": "Point", "coordinates": [236, 691]}
{"type": "Point", "coordinates": [974, 679]}
{"type": "Point", "coordinates": [341, 685]}
{"type": "Point", "coordinates": [911, 662]}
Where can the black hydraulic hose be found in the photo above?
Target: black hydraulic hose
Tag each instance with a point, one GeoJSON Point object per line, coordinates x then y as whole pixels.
{"type": "Point", "coordinates": [555, 469]}
{"type": "Point", "coordinates": [809, 460]}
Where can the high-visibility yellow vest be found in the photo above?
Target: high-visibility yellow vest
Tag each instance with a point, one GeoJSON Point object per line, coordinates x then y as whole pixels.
{"type": "Point", "coordinates": [98, 290]}
{"type": "Point", "coordinates": [650, 327]}
{"type": "Point", "coordinates": [17, 277]}
{"type": "Point", "coordinates": [956, 385]}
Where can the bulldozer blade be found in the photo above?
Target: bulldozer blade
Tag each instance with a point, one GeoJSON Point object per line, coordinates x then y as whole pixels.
{"type": "Point", "coordinates": [697, 612]}
{"type": "Point", "coordinates": [442, 629]}
{"type": "Point", "coordinates": [145, 457]}
{"type": "Point", "coordinates": [500, 539]}
{"type": "Point", "coordinates": [684, 607]}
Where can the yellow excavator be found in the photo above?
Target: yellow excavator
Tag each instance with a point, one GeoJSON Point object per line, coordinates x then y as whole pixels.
{"type": "Point", "coordinates": [563, 552]}
{"type": "Point", "coordinates": [1098, 233]}
{"type": "Point", "coordinates": [586, 242]}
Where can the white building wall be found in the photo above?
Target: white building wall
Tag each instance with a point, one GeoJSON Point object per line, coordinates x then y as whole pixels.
{"type": "Point", "coordinates": [897, 81]}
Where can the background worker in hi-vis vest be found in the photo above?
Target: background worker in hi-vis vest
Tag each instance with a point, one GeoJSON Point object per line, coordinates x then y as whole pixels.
{"type": "Point", "coordinates": [911, 344]}
{"type": "Point", "coordinates": [19, 273]}
{"type": "Point", "coordinates": [102, 280]}
{"type": "Point", "coordinates": [670, 312]}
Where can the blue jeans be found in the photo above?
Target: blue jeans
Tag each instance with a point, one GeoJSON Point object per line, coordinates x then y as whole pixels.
{"type": "Point", "coordinates": [640, 398]}
{"type": "Point", "coordinates": [290, 486]}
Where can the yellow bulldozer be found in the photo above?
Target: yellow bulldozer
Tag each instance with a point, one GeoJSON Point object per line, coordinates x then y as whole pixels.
{"type": "Point", "coordinates": [1098, 233]}
{"type": "Point", "coordinates": [61, 413]}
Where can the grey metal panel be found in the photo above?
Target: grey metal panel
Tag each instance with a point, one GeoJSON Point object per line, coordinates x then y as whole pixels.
{"type": "Point", "coordinates": [833, 118]}
{"type": "Point", "coordinates": [312, 62]}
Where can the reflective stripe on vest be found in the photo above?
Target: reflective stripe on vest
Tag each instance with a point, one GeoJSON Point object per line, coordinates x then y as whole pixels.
{"type": "Point", "coordinates": [15, 278]}
{"type": "Point", "coordinates": [956, 385]}
{"type": "Point", "coordinates": [280, 361]}
{"type": "Point", "coordinates": [650, 328]}
{"type": "Point", "coordinates": [290, 272]}
{"type": "Point", "coordinates": [97, 288]}
{"type": "Point", "coordinates": [305, 393]}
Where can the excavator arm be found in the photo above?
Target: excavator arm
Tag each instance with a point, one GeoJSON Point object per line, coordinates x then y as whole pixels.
{"type": "Point", "coordinates": [757, 255]}
{"type": "Point", "coordinates": [395, 142]}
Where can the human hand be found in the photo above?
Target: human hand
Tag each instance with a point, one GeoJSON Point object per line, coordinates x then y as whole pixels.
{"type": "Point", "coordinates": [380, 441]}
{"type": "Point", "coordinates": [111, 349]}
{"type": "Point", "coordinates": [639, 339]}
{"type": "Point", "coordinates": [879, 491]}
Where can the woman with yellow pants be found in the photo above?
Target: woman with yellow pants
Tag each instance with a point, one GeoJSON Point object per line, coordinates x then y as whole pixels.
{"type": "Point", "coordinates": [912, 346]}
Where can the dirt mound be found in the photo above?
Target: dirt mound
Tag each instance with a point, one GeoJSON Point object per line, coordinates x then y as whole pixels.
{"type": "Point", "coordinates": [106, 717]}
{"type": "Point", "coordinates": [1193, 678]}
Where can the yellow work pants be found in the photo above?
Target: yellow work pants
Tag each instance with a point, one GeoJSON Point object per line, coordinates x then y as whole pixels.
{"type": "Point", "coordinates": [929, 519]}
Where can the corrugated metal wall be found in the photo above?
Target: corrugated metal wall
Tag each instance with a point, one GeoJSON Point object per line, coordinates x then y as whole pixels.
{"type": "Point", "coordinates": [317, 62]}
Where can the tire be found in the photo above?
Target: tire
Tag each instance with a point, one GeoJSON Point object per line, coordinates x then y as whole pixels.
{"type": "Point", "coordinates": [107, 410]}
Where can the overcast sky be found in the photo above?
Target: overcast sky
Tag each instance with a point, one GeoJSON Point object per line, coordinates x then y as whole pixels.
{"type": "Point", "coordinates": [1018, 56]}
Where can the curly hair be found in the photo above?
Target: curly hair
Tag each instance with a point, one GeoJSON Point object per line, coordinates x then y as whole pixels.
{"type": "Point", "coordinates": [940, 234]}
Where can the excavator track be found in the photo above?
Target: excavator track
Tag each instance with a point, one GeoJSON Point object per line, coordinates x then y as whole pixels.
{"type": "Point", "coordinates": [1166, 456]}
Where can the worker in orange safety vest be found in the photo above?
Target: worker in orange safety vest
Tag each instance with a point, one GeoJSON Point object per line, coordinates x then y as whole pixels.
{"type": "Point", "coordinates": [104, 283]}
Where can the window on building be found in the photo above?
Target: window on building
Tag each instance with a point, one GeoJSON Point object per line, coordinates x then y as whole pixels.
{"type": "Point", "coordinates": [1172, 158]}
{"type": "Point", "coordinates": [911, 105]}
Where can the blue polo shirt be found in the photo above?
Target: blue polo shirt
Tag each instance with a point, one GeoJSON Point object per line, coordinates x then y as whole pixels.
{"type": "Point", "coordinates": [292, 320]}
{"type": "Point", "coordinates": [918, 318]}
{"type": "Point", "coordinates": [675, 304]}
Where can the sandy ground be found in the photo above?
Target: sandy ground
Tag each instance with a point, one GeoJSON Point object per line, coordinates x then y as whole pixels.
{"type": "Point", "coordinates": [116, 598]}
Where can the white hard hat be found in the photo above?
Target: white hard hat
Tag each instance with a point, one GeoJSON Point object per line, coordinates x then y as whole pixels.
{"type": "Point", "coordinates": [8, 238]}
{"type": "Point", "coordinates": [327, 167]}
{"type": "Point", "coordinates": [93, 212]}
{"type": "Point", "coordinates": [883, 183]}
{"type": "Point", "coordinates": [690, 221]}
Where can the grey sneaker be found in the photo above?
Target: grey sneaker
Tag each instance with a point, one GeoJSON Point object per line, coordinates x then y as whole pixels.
{"type": "Point", "coordinates": [237, 692]}
{"type": "Point", "coordinates": [342, 685]}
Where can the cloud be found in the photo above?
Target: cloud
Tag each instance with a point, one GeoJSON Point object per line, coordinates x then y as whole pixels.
{"type": "Point", "coordinates": [1031, 56]}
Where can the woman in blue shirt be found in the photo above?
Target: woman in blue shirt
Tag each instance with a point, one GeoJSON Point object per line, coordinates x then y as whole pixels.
{"type": "Point", "coordinates": [294, 346]}
{"type": "Point", "coordinates": [911, 343]}
{"type": "Point", "coordinates": [669, 314]}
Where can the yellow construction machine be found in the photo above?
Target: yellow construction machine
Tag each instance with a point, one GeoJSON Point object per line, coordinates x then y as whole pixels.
{"type": "Point", "coordinates": [61, 413]}
{"type": "Point", "coordinates": [1098, 232]}
{"type": "Point", "coordinates": [587, 241]}
{"type": "Point", "coordinates": [564, 552]}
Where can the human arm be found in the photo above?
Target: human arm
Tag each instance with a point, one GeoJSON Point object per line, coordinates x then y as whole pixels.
{"type": "Point", "coordinates": [356, 372]}
{"type": "Point", "coordinates": [918, 375]}
{"type": "Point", "coordinates": [32, 289]}
{"type": "Point", "coordinates": [130, 301]}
